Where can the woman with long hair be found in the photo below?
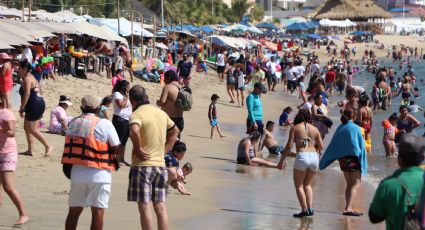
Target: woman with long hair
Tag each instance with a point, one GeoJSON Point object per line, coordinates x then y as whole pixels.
{"type": "Point", "coordinates": [32, 108]}
{"type": "Point", "coordinates": [122, 112]}
{"type": "Point", "coordinates": [308, 143]}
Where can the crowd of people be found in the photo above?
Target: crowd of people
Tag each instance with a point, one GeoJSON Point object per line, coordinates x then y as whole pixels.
{"type": "Point", "coordinates": [95, 142]}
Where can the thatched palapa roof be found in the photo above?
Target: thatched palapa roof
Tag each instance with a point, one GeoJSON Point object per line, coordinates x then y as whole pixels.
{"type": "Point", "coordinates": [358, 10]}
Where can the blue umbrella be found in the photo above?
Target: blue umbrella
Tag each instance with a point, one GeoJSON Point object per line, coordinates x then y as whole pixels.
{"type": "Point", "coordinates": [314, 36]}
{"type": "Point", "coordinates": [266, 25]}
{"type": "Point", "coordinates": [207, 29]}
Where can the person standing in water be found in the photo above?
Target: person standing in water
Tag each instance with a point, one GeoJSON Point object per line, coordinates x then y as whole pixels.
{"type": "Point", "coordinates": [308, 143]}
{"type": "Point", "coordinates": [348, 147]}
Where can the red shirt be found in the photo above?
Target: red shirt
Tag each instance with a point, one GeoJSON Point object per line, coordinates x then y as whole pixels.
{"type": "Point", "coordinates": [330, 77]}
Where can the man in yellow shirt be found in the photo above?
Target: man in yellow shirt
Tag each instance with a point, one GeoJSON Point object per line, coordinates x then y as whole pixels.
{"type": "Point", "coordinates": [153, 134]}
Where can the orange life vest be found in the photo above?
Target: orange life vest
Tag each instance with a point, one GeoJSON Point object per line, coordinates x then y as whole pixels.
{"type": "Point", "coordinates": [82, 148]}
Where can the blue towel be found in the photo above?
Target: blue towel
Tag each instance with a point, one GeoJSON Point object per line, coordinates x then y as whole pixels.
{"type": "Point", "coordinates": [347, 141]}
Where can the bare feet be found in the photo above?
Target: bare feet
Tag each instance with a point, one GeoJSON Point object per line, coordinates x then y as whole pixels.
{"type": "Point", "coordinates": [232, 101]}
{"type": "Point", "coordinates": [22, 220]}
{"type": "Point", "coordinates": [49, 151]}
{"type": "Point", "coordinates": [222, 136]}
{"type": "Point", "coordinates": [211, 137]}
{"type": "Point", "coordinates": [26, 153]}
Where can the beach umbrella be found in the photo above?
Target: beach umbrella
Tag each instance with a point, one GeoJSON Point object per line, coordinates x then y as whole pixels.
{"type": "Point", "coordinates": [161, 45]}
{"type": "Point", "coordinates": [154, 63]}
{"type": "Point", "coordinates": [266, 25]}
{"type": "Point", "coordinates": [207, 29]}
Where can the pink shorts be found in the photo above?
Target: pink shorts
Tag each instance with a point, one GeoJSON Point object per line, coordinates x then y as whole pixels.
{"type": "Point", "coordinates": [8, 162]}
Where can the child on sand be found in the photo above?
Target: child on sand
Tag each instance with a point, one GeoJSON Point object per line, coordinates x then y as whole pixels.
{"type": "Point", "coordinates": [248, 155]}
{"type": "Point", "coordinates": [212, 116]}
{"type": "Point", "coordinates": [269, 140]}
{"type": "Point", "coordinates": [390, 131]}
{"type": "Point", "coordinates": [8, 161]}
{"type": "Point", "coordinates": [284, 117]}
{"type": "Point", "coordinates": [172, 162]}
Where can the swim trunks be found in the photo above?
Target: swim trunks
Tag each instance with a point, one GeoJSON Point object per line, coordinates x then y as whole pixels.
{"type": "Point", "coordinates": [276, 150]}
{"type": "Point", "coordinates": [349, 164]}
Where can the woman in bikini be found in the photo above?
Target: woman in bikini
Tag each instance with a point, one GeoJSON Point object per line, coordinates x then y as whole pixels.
{"type": "Point", "coordinates": [32, 108]}
{"type": "Point", "coordinates": [365, 116]}
{"type": "Point", "coordinates": [390, 131]}
{"type": "Point", "coordinates": [308, 143]}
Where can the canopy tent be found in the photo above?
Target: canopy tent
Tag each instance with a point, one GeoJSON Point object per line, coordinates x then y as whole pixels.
{"type": "Point", "coordinates": [31, 32]}
{"type": "Point", "coordinates": [207, 29]}
{"type": "Point", "coordinates": [125, 26]}
{"type": "Point", "coordinates": [232, 41]}
{"type": "Point", "coordinates": [266, 25]}
{"type": "Point", "coordinates": [97, 31]}
{"type": "Point", "coordinates": [336, 23]}
{"type": "Point", "coordinates": [242, 28]}
{"type": "Point", "coordinates": [399, 10]}
{"type": "Point", "coordinates": [314, 36]}
{"type": "Point", "coordinates": [361, 33]}
{"type": "Point", "coordinates": [4, 45]}
{"type": "Point", "coordinates": [302, 26]}
{"type": "Point", "coordinates": [12, 39]}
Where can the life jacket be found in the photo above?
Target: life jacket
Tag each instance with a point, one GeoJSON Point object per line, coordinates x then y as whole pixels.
{"type": "Point", "coordinates": [82, 148]}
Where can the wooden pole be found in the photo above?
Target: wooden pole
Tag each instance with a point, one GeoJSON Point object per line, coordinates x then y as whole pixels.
{"type": "Point", "coordinates": [141, 37]}
{"type": "Point", "coordinates": [132, 43]}
{"type": "Point", "coordinates": [118, 17]}
{"type": "Point", "coordinates": [154, 35]}
{"type": "Point", "coordinates": [23, 12]}
{"type": "Point", "coordinates": [29, 10]}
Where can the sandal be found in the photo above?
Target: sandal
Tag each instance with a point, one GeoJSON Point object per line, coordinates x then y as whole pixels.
{"type": "Point", "coordinates": [352, 213]}
{"type": "Point", "coordinates": [301, 214]}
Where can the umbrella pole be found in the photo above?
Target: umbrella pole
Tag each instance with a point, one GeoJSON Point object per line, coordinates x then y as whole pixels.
{"type": "Point", "coordinates": [141, 38]}
{"type": "Point", "coordinates": [154, 35]}
{"type": "Point", "coordinates": [132, 45]}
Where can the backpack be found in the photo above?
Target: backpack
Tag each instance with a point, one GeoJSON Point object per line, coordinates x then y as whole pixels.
{"type": "Point", "coordinates": [184, 99]}
{"type": "Point", "coordinates": [411, 222]}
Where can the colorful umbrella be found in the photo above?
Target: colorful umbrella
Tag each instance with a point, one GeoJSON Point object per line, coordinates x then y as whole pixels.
{"type": "Point", "coordinates": [154, 63]}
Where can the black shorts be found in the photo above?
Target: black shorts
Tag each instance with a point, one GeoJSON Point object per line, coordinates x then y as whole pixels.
{"type": "Point", "coordinates": [179, 122]}
{"type": "Point", "coordinates": [271, 78]}
{"type": "Point", "coordinates": [250, 126]}
{"type": "Point", "coordinates": [122, 126]}
{"type": "Point", "coordinates": [220, 69]}
{"type": "Point", "coordinates": [292, 85]}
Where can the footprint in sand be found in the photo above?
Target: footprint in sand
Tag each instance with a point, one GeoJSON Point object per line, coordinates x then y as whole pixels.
{"type": "Point", "coordinates": [61, 193]}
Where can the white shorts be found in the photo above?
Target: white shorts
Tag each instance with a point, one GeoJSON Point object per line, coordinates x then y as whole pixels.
{"type": "Point", "coordinates": [89, 195]}
{"type": "Point", "coordinates": [307, 161]}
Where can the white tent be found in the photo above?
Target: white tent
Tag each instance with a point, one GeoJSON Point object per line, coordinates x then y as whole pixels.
{"type": "Point", "coordinates": [97, 31]}
{"type": "Point", "coordinates": [336, 23]}
{"type": "Point", "coordinates": [125, 26]}
{"type": "Point", "coordinates": [21, 28]}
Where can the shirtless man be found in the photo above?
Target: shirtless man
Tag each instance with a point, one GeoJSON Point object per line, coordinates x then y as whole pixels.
{"type": "Point", "coordinates": [269, 140]}
{"type": "Point", "coordinates": [405, 90]}
{"type": "Point", "coordinates": [366, 115]}
{"type": "Point", "coordinates": [168, 98]}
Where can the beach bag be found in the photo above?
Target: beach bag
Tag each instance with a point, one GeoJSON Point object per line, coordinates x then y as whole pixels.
{"type": "Point", "coordinates": [184, 99]}
{"type": "Point", "coordinates": [411, 221]}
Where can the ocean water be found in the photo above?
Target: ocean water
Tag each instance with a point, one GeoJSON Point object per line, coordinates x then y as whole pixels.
{"type": "Point", "coordinates": [379, 165]}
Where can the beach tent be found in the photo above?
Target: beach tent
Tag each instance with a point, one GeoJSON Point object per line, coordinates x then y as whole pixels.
{"type": "Point", "coordinates": [125, 26]}
{"type": "Point", "coordinates": [12, 39]}
{"type": "Point", "coordinates": [29, 31]}
{"type": "Point", "coordinates": [336, 23]}
{"type": "Point", "coordinates": [297, 26]}
{"type": "Point", "coordinates": [97, 31]}
{"type": "Point", "coordinates": [266, 25]}
{"type": "Point", "coordinates": [314, 36]}
{"type": "Point", "coordinates": [400, 10]}
{"type": "Point", "coordinates": [221, 41]}
{"type": "Point", "coordinates": [207, 29]}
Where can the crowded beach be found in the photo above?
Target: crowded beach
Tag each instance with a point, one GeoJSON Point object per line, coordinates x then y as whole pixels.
{"type": "Point", "coordinates": [111, 123]}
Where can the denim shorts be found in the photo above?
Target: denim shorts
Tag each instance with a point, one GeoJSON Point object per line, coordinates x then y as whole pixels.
{"type": "Point", "coordinates": [307, 161]}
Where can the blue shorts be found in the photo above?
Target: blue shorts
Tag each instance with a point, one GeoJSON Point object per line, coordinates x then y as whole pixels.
{"type": "Point", "coordinates": [214, 123]}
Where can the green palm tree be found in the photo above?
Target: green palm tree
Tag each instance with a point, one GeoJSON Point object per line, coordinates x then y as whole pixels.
{"type": "Point", "coordinates": [240, 8]}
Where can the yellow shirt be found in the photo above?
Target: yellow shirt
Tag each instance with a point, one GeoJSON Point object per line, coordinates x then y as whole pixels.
{"type": "Point", "coordinates": [154, 124]}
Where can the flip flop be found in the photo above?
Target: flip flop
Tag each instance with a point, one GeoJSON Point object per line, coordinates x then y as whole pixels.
{"type": "Point", "coordinates": [27, 153]}
{"type": "Point", "coordinates": [353, 213]}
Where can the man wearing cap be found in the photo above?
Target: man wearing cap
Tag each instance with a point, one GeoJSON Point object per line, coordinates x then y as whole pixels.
{"type": "Point", "coordinates": [90, 147]}
{"type": "Point", "coordinates": [58, 117]}
{"type": "Point", "coordinates": [254, 122]}
{"type": "Point", "coordinates": [396, 191]}
{"type": "Point", "coordinates": [153, 133]}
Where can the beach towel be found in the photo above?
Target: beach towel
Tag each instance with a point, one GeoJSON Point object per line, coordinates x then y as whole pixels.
{"type": "Point", "coordinates": [347, 141]}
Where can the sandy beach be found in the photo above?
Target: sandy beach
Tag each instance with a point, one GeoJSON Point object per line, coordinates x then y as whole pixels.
{"type": "Point", "coordinates": [224, 195]}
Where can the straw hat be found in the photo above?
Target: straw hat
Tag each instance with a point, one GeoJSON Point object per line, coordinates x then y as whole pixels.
{"type": "Point", "coordinates": [4, 56]}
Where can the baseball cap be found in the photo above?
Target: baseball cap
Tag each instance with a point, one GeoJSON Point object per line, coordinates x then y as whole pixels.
{"type": "Point", "coordinates": [90, 102]}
